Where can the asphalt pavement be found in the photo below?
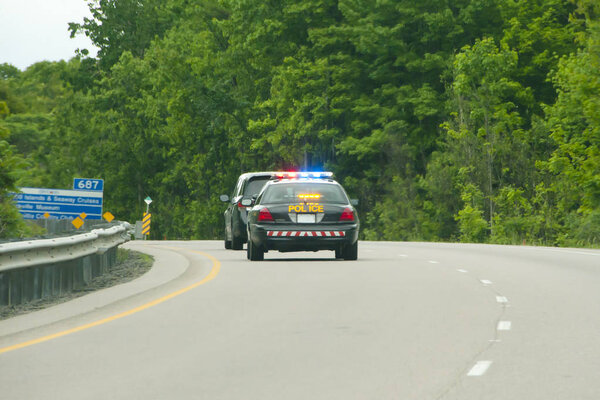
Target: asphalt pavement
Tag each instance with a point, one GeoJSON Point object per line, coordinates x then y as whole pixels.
{"type": "Point", "coordinates": [405, 321]}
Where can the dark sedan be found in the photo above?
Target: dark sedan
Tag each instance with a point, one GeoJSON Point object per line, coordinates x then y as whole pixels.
{"type": "Point", "coordinates": [248, 185]}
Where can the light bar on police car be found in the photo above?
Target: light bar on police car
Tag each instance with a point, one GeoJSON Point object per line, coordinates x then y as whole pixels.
{"type": "Point", "coordinates": [304, 175]}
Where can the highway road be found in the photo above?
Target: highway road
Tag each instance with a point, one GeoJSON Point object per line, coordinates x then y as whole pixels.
{"type": "Point", "coordinates": [405, 321]}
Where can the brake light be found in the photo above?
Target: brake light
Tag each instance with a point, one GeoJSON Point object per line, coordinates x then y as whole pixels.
{"type": "Point", "coordinates": [347, 215]}
{"type": "Point", "coordinates": [265, 216]}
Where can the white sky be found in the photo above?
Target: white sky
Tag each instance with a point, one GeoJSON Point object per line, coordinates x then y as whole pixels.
{"type": "Point", "coordinates": [37, 30]}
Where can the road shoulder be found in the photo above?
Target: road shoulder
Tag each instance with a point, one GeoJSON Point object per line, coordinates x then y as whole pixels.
{"type": "Point", "coordinates": [168, 265]}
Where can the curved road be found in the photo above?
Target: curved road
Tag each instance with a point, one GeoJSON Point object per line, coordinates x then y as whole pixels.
{"type": "Point", "coordinates": [405, 321]}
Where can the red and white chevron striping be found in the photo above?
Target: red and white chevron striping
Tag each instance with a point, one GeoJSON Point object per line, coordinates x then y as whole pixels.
{"type": "Point", "coordinates": [306, 233]}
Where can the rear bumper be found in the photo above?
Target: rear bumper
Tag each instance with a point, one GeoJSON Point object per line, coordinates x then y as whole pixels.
{"type": "Point", "coordinates": [303, 237]}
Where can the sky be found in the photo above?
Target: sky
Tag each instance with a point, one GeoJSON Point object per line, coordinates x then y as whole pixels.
{"type": "Point", "coordinates": [37, 30]}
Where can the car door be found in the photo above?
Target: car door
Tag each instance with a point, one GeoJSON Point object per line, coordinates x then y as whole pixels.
{"type": "Point", "coordinates": [230, 207]}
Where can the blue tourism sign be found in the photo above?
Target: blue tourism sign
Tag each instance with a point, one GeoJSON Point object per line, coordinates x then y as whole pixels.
{"type": "Point", "coordinates": [33, 203]}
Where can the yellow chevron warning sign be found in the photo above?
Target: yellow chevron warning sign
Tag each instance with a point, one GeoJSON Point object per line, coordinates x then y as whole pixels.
{"type": "Point", "coordinates": [146, 223]}
{"type": "Point", "coordinates": [108, 216]}
{"type": "Point", "coordinates": [77, 222]}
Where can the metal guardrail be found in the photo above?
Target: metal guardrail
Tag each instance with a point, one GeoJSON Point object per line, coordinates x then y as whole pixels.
{"type": "Point", "coordinates": [35, 269]}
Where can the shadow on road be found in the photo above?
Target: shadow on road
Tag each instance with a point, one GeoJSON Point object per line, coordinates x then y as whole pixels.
{"type": "Point", "coordinates": [302, 259]}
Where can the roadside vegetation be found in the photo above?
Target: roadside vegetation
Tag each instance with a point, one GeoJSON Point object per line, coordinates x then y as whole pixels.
{"type": "Point", "coordinates": [464, 120]}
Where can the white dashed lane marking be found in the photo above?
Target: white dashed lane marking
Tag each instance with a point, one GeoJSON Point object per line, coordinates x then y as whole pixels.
{"type": "Point", "coordinates": [434, 262]}
{"type": "Point", "coordinates": [479, 368]}
{"type": "Point", "coordinates": [504, 325]}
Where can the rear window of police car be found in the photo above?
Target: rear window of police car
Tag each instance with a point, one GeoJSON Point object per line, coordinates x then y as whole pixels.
{"type": "Point", "coordinates": [287, 193]}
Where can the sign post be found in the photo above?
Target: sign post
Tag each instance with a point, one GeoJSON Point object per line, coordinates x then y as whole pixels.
{"type": "Point", "coordinates": [148, 200]}
{"type": "Point", "coordinates": [147, 218]}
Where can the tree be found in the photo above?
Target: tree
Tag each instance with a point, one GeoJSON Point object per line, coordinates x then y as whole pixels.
{"type": "Point", "coordinates": [485, 137]}
{"type": "Point", "coordinates": [117, 26]}
{"type": "Point", "coordinates": [11, 222]}
{"type": "Point", "coordinates": [574, 123]}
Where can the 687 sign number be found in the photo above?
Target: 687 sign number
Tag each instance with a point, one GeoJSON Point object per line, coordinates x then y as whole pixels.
{"type": "Point", "coordinates": [88, 184]}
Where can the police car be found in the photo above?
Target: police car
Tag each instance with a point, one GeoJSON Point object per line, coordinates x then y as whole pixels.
{"type": "Point", "coordinates": [302, 211]}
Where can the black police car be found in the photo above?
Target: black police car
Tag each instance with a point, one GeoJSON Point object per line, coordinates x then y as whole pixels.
{"type": "Point", "coordinates": [299, 211]}
{"type": "Point", "coordinates": [248, 185]}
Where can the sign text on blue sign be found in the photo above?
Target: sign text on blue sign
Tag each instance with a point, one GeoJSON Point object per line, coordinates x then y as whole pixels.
{"type": "Point", "coordinates": [33, 203]}
{"type": "Point", "coordinates": [88, 184]}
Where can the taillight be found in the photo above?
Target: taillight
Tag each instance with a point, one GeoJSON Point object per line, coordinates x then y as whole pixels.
{"type": "Point", "coordinates": [347, 215]}
{"type": "Point", "coordinates": [240, 205]}
{"type": "Point", "coordinates": [265, 216]}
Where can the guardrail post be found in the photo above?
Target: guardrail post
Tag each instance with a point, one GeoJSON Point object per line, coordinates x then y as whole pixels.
{"type": "Point", "coordinates": [57, 281]}
{"type": "Point", "coordinates": [86, 270]}
{"type": "Point", "coordinates": [4, 288]}
{"type": "Point", "coordinates": [26, 285]}
{"type": "Point", "coordinates": [47, 280]}
{"type": "Point", "coordinates": [14, 289]}
{"type": "Point", "coordinates": [37, 284]}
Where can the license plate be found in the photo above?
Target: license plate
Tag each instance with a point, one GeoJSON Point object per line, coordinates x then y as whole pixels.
{"type": "Point", "coordinates": [306, 218]}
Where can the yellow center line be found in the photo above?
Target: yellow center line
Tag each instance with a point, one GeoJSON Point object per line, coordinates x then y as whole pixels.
{"type": "Point", "coordinates": [211, 275]}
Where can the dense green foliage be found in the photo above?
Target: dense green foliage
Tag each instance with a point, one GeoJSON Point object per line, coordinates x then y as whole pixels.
{"type": "Point", "coordinates": [470, 120]}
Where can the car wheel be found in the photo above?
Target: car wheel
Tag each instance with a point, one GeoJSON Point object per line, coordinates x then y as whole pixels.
{"type": "Point", "coordinates": [227, 242]}
{"type": "Point", "coordinates": [255, 253]}
{"type": "Point", "coordinates": [338, 253]}
{"type": "Point", "coordinates": [237, 243]}
{"type": "Point", "coordinates": [350, 252]}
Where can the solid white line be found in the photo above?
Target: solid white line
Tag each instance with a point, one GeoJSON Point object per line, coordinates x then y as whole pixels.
{"type": "Point", "coordinates": [479, 368]}
{"type": "Point", "coordinates": [485, 282]}
{"type": "Point", "coordinates": [501, 299]}
{"type": "Point", "coordinates": [571, 252]}
{"type": "Point", "coordinates": [464, 271]}
{"type": "Point", "coordinates": [504, 325]}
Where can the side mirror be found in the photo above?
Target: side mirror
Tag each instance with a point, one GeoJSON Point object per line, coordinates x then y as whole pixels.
{"type": "Point", "coordinates": [224, 198]}
{"type": "Point", "coordinates": [354, 202]}
{"type": "Point", "coordinates": [247, 202]}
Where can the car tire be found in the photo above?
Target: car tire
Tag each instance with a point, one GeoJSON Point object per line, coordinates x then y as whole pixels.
{"type": "Point", "coordinates": [236, 242]}
{"type": "Point", "coordinates": [255, 253]}
{"type": "Point", "coordinates": [338, 253]}
{"type": "Point", "coordinates": [350, 252]}
{"type": "Point", "coordinates": [227, 242]}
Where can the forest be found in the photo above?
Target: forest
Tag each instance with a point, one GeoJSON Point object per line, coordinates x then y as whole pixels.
{"type": "Point", "coordinates": [462, 120]}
